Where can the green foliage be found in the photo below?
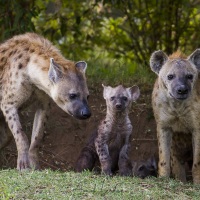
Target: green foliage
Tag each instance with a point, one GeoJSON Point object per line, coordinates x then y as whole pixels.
{"type": "Point", "coordinates": [128, 30]}
{"type": "Point", "coordinates": [58, 185]}
{"type": "Point", "coordinates": [16, 17]}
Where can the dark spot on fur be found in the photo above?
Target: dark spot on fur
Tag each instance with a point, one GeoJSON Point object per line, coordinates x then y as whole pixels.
{"type": "Point", "coordinates": [14, 119]}
{"type": "Point", "coordinates": [10, 53]}
{"type": "Point", "coordinates": [36, 138]}
{"type": "Point", "coordinates": [32, 50]}
{"type": "Point", "coordinates": [104, 122]}
{"type": "Point", "coordinates": [16, 74]}
{"type": "Point", "coordinates": [10, 118]}
{"type": "Point", "coordinates": [26, 49]}
{"type": "Point", "coordinates": [3, 51]}
{"type": "Point", "coordinates": [16, 41]}
{"type": "Point", "coordinates": [28, 59]}
{"type": "Point", "coordinates": [7, 111]}
{"type": "Point", "coordinates": [20, 65]}
{"type": "Point", "coordinates": [17, 131]}
{"type": "Point", "coordinates": [12, 127]}
{"type": "Point", "coordinates": [2, 59]}
{"type": "Point", "coordinates": [163, 164]}
{"type": "Point", "coordinates": [195, 165]}
{"type": "Point", "coordinates": [20, 55]}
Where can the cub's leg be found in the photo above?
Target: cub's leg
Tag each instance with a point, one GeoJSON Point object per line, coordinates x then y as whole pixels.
{"type": "Point", "coordinates": [124, 163]}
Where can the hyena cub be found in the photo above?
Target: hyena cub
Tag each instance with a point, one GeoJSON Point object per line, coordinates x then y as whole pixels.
{"type": "Point", "coordinates": [145, 168]}
{"type": "Point", "coordinates": [31, 68]}
{"type": "Point", "coordinates": [113, 133]}
{"type": "Point", "coordinates": [176, 105]}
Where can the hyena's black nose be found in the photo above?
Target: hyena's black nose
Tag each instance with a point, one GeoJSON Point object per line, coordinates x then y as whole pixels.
{"type": "Point", "coordinates": [85, 113]}
{"type": "Point", "coordinates": [182, 90]}
{"type": "Point", "coordinates": [119, 106]}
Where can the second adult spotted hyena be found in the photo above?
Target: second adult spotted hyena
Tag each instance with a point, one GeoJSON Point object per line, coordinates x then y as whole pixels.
{"type": "Point", "coordinates": [31, 68]}
{"type": "Point", "coordinates": [176, 105]}
{"type": "Point", "coordinates": [111, 139]}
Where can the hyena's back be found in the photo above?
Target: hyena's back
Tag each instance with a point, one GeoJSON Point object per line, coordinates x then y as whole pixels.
{"type": "Point", "coordinates": [17, 52]}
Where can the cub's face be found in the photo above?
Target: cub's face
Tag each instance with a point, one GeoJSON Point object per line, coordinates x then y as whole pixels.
{"type": "Point", "coordinates": [119, 98]}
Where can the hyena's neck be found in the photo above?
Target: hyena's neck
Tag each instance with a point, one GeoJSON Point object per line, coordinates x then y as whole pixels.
{"type": "Point", "coordinates": [117, 117]}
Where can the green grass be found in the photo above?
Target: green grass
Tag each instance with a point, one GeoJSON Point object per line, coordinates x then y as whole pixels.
{"type": "Point", "coordinates": [69, 185]}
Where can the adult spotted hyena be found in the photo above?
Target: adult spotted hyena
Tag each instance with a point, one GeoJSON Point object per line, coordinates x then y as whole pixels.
{"type": "Point", "coordinates": [31, 68]}
{"type": "Point", "coordinates": [111, 139]}
{"type": "Point", "coordinates": [176, 105]}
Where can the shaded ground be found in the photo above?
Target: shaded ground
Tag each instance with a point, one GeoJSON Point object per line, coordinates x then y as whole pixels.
{"type": "Point", "coordinates": [65, 136]}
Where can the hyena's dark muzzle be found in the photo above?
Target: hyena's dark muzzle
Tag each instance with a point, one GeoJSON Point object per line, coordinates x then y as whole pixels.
{"type": "Point", "coordinates": [81, 109]}
{"type": "Point", "coordinates": [181, 90]}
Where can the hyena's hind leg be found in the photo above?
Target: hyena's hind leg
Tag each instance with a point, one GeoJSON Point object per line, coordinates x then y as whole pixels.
{"type": "Point", "coordinates": [5, 133]}
{"type": "Point", "coordinates": [39, 123]}
{"type": "Point", "coordinates": [86, 160]}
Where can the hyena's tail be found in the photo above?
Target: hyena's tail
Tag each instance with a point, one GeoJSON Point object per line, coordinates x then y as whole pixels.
{"type": "Point", "coordinates": [86, 159]}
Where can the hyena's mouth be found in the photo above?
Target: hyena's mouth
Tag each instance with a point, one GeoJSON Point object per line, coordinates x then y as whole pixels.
{"type": "Point", "coordinates": [179, 97]}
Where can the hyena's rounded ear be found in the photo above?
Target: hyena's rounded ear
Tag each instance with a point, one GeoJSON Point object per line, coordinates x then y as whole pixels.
{"type": "Point", "coordinates": [55, 71]}
{"type": "Point", "coordinates": [195, 58]}
{"type": "Point", "coordinates": [157, 60]}
{"type": "Point", "coordinates": [81, 66]}
{"type": "Point", "coordinates": [134, 92]}
{"type": "Point", "coordinates": [106, 90]}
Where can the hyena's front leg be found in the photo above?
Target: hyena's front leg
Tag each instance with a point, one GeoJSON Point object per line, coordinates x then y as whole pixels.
{"type": "Point", "coordinates": [124, 163]}
{"type": "Point", "coordinates": [178, 168]}
{"type": "Point", "coordinates": [12, 118]}
{"type": "Point", "coordinates": [196, 157]}
{"type": "Point", "coordinates": [104, 157]}
{"type": "Point", "coordinates": [39, 123]}
{"type": "Point", "coordinates": [164, 146]}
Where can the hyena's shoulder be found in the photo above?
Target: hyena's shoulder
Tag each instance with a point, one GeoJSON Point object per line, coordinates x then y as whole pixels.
{"type": "Point", "coordinates": [22, 48]}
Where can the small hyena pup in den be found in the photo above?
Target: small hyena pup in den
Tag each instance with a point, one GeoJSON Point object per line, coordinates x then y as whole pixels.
{"type": "Point", "coordinates": [31, 68]}
{"type": "Point", "coordinates": [112, 135]}
{"type": "Point", "coordinates": [176, 106]}
{"type": "Point", "coordinates": [143, 169]}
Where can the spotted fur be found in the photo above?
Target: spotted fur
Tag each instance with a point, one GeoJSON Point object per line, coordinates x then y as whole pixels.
{"type": "Point", "coordinates": [31, 68]}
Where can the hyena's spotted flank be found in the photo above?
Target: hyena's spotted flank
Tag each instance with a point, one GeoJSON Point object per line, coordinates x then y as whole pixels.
{"type": "Point", "coordinates": [112, 135]}
{"type": "Point", "coordinates": [31, 68]}
{"type": "Point", "coordinates": [176, 105]}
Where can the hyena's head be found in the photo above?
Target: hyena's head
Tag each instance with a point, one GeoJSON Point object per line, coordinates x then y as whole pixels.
{"type": "Point", "coordinates": [120, 98]}
{"type": "Point", "coordinates": [69, 89]}
{"type": "Point", "coordinates": [177, 73]}
{"type": "Point", "coordinates": [146, 168]}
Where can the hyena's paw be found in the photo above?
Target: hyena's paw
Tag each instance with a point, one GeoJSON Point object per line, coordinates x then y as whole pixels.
{"type": "Point", "coordinates": [106, 168]}
{"type": "Point", "coordinates": [107, 172]}
{"type": "Point", "coordinates": [34, 162]}
{"type": "Point", "coordinates": [23, 162]}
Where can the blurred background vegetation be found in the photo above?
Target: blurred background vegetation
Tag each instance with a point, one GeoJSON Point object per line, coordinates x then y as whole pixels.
{"type": "Point", "coordinates": [114, 36]}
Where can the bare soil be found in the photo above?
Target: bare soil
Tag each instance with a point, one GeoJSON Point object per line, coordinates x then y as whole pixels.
{"type": "Point", "coordinates": [65, 136]}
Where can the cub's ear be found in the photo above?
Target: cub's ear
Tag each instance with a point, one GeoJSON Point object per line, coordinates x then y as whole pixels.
{"type": "Point", "coordinates": [195, 58]}
{"type": "Point", "coordinates": [157, 60]}
{"type": "Point", "coordinates": [81, 66]}
{"type": "Point", "coordinates": [55, 71]}
{"type": "Point", "coordinates": [106, 91]}
{"type": "Point", "coordinates": [134, 92]}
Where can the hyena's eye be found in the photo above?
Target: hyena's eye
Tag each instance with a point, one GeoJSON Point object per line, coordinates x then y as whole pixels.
{"type": "Point", "coordinates": [170, 77]}
{"type": "Point", "coordinates": [189, 76]}
{"type": "Point", "coordinates": [125, 98]}
{"type": "Point", "coordinates": [112, 98]}
{"type": "Point", "coordinates": [73, 96]}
